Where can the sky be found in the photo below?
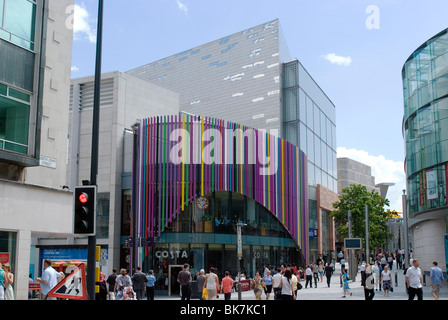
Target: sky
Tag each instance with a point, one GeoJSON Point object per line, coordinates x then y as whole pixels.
{"type": "Point", "coordinates": [354, 49]}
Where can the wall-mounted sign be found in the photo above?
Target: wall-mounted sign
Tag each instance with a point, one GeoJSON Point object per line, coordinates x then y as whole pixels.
{"type": "Point", "coordinates": [47, 162]}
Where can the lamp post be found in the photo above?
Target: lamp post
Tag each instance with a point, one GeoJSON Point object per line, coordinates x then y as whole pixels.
{"type": "Point", "coordinates": [239, 254]}
{"type": "Point", "coordinates": [91, 246]}
{"type": "Point", "coordinates": [405, 227]}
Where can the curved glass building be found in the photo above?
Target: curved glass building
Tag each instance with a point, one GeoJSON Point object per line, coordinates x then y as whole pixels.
{"type": "Point", "coordinates": [200, 177]}
{"type": "Point", "coordinates": [425, 130]}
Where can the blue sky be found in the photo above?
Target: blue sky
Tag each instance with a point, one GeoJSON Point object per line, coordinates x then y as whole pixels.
{"type": "Point", "coordinates": [354, 49]}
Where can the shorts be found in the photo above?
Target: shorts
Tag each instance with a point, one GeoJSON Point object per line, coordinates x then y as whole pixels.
{"type": "Point", "coordinates": [268, 289]}
{"type": "Point", "coordinates": [435, 289]}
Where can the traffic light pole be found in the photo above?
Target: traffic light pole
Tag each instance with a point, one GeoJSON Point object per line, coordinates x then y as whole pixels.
{"type": "Point", "coordinates": [91, 247]}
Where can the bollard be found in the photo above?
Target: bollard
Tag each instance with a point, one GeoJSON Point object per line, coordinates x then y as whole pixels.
{"type": "Point", "coordinates": [396, 280]}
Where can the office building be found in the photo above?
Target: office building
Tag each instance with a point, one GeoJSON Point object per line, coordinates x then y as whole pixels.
{"type": "Point", "coordinates": [35, 61]}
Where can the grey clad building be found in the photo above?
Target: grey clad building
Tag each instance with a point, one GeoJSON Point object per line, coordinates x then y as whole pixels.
{"type": "Point", "coordinates": [249, 78]}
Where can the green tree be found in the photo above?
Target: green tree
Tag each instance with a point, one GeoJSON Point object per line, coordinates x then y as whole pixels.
{"type": "Point", "coordinates": [354, 198]}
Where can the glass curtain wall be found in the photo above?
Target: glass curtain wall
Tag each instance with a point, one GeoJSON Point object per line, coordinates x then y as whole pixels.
{"type": "Point", "coordinates": [425, 129]}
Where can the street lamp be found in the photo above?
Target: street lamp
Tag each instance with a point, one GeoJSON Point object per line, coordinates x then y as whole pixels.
{"type": "Point", "coordinates": [405, 227]}
{"type": "Point", "coordinates": [239, 254]}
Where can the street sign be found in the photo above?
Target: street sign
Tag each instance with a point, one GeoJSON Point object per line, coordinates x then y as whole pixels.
{"type": "Point", "coordinates": [72, 287]}
{"type": "Point", "coordinates": [353, 243]}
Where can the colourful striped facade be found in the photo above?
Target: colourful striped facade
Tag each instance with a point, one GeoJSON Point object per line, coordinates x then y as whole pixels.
{"type": "Point", "coordinates": [180, 158]}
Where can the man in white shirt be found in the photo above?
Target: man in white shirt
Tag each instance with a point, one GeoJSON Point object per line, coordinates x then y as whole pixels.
{"type": "Point", "coordinates": [414, 280]}
{"type": "Point", "coordinates": [50, 278]}
{"type": "Point", "coordinates": [276, 279]}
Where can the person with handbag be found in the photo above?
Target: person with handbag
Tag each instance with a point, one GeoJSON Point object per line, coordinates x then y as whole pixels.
{"type": "Point", "coordinates": [211, 283]}
{"type": "Point", "coordinates": [368, 282]}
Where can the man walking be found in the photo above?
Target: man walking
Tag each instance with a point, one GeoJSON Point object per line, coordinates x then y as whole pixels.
{"type": "Point", "coordinates": [436, 277]}
{"type": "Point", "coordinates": [139, 279]}
{"type": "Point", "coordinates": [414, 281]}
{"type": "Point", "coordinates": [227, 284]}
{"type": "Point", "coordinates": [150, 285]}
{"type": "Point", "coordinates": [111, 282]}
{"type": "Point", "coordinates": [50, 278]}
{"type": "Point", "coordinates": [184, 279]}
{"type": "Point", "coordinates": [328, 273]}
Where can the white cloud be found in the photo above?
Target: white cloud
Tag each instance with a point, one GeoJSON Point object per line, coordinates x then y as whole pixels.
{"type": "Point", "coordinates": [384, 170]}
{"type": "Point", "coordinates": [81, 24]}
{"type": "Point", "coordinates": [74, 68]}
{"type": "Point", "coordinates": [339, 60]}
{"type": "Point", "coordinates": [182, 6]}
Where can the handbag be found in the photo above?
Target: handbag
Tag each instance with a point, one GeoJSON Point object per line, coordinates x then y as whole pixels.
{"type": "Point", "coordinates": [299, 286]}
{"type": "Point", "coordinates": [204, 294]}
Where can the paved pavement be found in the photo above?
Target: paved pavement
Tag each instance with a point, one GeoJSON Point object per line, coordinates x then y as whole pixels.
{"type": "Point", "coordinates": [335, 292]}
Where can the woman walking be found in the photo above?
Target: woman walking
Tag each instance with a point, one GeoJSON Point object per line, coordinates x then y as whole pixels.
{"type": "Point", "coordinates": [287, 292]}
{"type": "Point", "coordinates": [257, 285]}
{"type": "Point", "coordinates": [386, 280]}
{"type": "Point", "coordinates": [211, 284]}
{"type": "Point", "coordinates": [267, 284]}
{"type": "Point", "coordinates": [345, 284]}
{"type": "Point", "coordinates": [9, 292]}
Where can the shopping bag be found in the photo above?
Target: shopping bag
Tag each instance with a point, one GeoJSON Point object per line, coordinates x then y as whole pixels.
{"type": "Point", "coordinates": [204, 294]}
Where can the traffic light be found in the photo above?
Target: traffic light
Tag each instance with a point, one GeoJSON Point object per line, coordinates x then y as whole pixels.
{"type": "Point", "coordinates": [84, 215]}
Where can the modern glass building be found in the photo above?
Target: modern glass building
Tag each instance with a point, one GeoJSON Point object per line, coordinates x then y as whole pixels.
{"type": "Point", "coordinates": [197, 178]}
{"type": "Point", "coordinates": [425, 130]}
{"type": "Point", "coordinates": [249, 78]}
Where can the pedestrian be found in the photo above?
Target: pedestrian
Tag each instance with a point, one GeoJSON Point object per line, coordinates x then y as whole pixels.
{"type": "Point", "coordinates": [122, 281]}
{"type": "Point", "coordinates": [328, 273]}
{"type": "Point", "coordinates": [3, 282]}
{"type": "Point", "coordinates": [139, 279]}
{"type": "Point", "coordinates": [377, 272]}
{"type": "Point", "coordinates": [321, 271]}
{"type": "Point", "coordinates": [286, 286]}
{"type": "Point", "coordinates": [368, 282]}
{"type": "Point", "coordinates": [342, 269]}
{"type": "Point", "coordinates": [346, 287]}
{"type": "Point", "coordinates": [257, 284]}
{"type": "Point", "coordinates": [436, 277]}
{"type": "Point", "coordinates": [150, 285]}
{"type": "Point", "coordinates": [9, 291]}
{"type": "Point", "coordinates": [414, 280]}
{"type": "Point", "coordinates": [295, 284]}
{"type": "Point", "coordinates": [211, 283]}
{"type": "Point", "coordinates": [200, 279]}
{"type": "Point", "coordinates": [308, 275]}
{"type": "Point", "coordinates": [102, 295]}
{"type": "Point", "coordinates": [50, 278]}
{"type": "Point", "coordinates": [227, 284]}
{"type": "Point", "coordinates": [267, 284]}
{"type": "Point", "coordinates": [386, 280]}
{"type": "Point", "coordinates": [184, 280]}
{"type": "Point", "coordinates": [111, 282]}
{"type": "Point", "coordinates": [315, 274]}
{"type": "Point", "coordinates": [276, 279]}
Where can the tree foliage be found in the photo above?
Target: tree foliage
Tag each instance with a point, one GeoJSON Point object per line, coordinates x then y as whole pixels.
{"type": "Point", "coordinates": [354, 198]}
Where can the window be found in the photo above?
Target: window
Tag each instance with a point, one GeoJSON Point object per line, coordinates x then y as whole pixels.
{"type": "Point", "coordinates": [18, 20]}
{"type": "Point", "coordinates": [14, 120]}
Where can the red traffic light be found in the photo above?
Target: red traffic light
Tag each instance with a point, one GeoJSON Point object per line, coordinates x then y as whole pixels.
{"type": "Point", "coordinates": [83, 197]}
